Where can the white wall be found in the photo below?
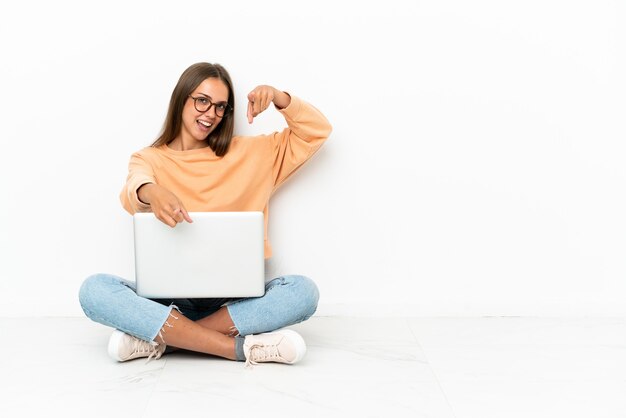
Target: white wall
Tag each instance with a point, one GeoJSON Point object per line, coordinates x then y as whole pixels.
{"type": "Point", "coordinates": [476, 165]}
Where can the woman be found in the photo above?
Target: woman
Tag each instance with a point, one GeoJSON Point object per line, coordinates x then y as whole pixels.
{"type": "Point", "coordinates": [196, 165]}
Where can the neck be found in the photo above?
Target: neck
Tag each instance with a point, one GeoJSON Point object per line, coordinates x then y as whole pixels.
{"type": "Point", "coordinates": [180, 144]}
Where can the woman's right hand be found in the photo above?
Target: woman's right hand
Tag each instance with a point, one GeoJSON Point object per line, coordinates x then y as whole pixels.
{"type": "Point", "coordinates": [165, 205]}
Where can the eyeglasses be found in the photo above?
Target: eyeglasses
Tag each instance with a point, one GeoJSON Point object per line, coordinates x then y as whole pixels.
{"type": "Point", "coordinates": [203, 104]}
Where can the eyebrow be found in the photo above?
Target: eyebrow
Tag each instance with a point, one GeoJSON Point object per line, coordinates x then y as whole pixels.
{"type": "Point", "coordinates": [209, 97]}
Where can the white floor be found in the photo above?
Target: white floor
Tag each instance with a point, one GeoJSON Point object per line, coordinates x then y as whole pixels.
{"type": "Point", "coordinates": [355, 367]}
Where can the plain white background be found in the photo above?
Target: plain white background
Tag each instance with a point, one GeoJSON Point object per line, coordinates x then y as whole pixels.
{"type": "Point", "coordinates": [476, 165]}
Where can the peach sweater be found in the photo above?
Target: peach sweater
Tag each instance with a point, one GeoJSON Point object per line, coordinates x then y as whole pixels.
{"type": "Point", "coordinates": [242, 180]}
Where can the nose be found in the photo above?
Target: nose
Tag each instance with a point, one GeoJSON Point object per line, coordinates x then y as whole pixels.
{"type": "Point", "coordinates": [211, 111]}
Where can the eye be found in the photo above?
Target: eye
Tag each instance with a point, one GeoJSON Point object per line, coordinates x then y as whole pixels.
{"type": "Point", "coordinates": [221, 106]}
{"type": "Point", "coordinates": [203, 100]}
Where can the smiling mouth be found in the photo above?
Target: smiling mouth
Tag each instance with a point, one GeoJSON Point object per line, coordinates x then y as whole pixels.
{"type": "Point", "coordinates": [205, 123]}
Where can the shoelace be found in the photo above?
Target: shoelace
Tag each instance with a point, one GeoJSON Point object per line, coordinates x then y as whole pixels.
{"type": "Point", "coordinates": [261, 353]}
{"type": "Point", "coordinates": [145, 347]}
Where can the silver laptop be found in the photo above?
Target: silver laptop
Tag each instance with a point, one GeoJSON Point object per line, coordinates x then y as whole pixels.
{"type": "Point", "coordinates": [219, 255]}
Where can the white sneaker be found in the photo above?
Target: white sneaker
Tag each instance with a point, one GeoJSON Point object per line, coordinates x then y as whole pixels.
{"type": "Point", "coordinates": [284, 346]}
{"type": "Point", "coordinates": [124, 347]}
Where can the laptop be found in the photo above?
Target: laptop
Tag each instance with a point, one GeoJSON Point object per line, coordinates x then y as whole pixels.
{"type": "Point", "coordinates": [219, 255]}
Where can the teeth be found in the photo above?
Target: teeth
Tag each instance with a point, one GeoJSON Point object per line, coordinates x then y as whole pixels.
{"type": "Point", "coordinates": [207, 124]}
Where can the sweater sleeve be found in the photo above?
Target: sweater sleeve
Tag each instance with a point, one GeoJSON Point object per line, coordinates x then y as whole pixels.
{"type": "Point", "coordinates": [139, 173]}
{"type": "Point", "coordinates": [307, 130]}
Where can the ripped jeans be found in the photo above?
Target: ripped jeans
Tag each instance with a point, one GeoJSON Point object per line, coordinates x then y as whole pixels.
{"type": "Point", "coordinates": [112, 301]}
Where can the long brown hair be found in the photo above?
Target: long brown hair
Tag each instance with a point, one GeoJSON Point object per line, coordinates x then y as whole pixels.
{"type": "Point", "coordinates": [191, 78]}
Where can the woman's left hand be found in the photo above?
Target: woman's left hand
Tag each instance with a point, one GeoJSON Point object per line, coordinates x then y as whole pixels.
{"type": "Point", "coordinates": [260, 98]}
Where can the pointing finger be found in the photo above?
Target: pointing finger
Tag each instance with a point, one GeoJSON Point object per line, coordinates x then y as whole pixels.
{"type": "Point", "coordinates": [186, 215]}
{"type": "Point", "coordinates": [250, 117]}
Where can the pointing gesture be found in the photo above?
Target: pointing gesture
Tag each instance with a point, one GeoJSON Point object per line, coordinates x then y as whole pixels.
{"type": "Point", "coordinates": [260, 98]}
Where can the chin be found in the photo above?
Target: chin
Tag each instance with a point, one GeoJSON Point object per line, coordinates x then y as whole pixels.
{"type": "Point", "coordinates": [202, 138]}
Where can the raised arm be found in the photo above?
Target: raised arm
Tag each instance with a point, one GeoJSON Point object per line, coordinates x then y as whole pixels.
{"type": "Point", "coordinates": [307, 129]}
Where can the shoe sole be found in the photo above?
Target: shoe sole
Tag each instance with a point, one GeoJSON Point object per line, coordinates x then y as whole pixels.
{"type": "Point", "coordinates": [114, 343]}
{"type": "Point", "coordinates": [297, 340]}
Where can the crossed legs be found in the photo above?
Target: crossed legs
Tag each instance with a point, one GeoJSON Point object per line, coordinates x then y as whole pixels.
{"type": "Point", "coordinates": [209, 335]}
{"type": "Point", "coordinates": [112, 301]}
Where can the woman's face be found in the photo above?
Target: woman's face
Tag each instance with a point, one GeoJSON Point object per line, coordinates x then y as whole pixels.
{"type": "Point", "coordinates": [197, 125]}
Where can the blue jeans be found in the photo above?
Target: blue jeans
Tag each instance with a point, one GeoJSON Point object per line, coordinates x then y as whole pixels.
{"type": "Point", "coordinates": [112, 301]}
